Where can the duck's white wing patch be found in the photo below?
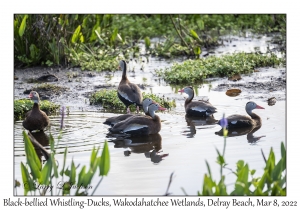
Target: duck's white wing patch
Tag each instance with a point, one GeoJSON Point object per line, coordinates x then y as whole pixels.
{"type": "Point", "coordinates": [233, 122]}
{"type": "Point", "coordinates": [198, 109]}
{"type": "Point", "coordinates": [133, 127]}
{"type": "Point", "coordinates": [124, 95]}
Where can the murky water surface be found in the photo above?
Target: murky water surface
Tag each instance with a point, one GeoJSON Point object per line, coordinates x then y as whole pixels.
{"type": "Point", "coordinates": [142, 165]}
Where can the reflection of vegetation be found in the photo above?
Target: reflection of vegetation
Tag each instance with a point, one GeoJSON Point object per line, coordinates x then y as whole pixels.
{"type": "Point", "coordinates": [97, 41]}
{"type": "Point", "coordinates": [22, 106]}
{"type": "Point", "coordinates": [35, 174]}
{"type": "Point", "coordinates": [191, 71]}
{"type": "Point", "coordinates": [109, 99]}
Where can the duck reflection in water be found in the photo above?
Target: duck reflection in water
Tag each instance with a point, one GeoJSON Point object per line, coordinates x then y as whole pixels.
{"type": "Point", "coordinates": [40, 140]}
{"type": "Point", "coordinates": [195, 123]}
{"type": "Point", "coordinates": [149, 145]}
{"type": "Point", "coordinates": [249, 131]}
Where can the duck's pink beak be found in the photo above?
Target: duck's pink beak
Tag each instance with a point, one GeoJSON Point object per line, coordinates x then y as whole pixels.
{"type": "Point", "coordinates": [181, 91]}
{"type": "Point", "coordinates": [259, 107]}
{"type": "Point", "coordinates": [30, 95]}
{"type": "Point", "coordinates": [161, 108]}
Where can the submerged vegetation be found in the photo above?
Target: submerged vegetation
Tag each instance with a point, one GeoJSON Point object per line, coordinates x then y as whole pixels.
{"type": "Point", "coordinates": [22, 106]}
{"type": "Point", "coordinates": [98, 41]}
{"type": "Point", "coordinates": [191, 71]}
{"type": "Point", "coordinates": [109, 99]}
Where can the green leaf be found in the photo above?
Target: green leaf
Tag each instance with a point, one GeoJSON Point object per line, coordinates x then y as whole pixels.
{"type": "Point", "coordinates": [23, 26]}
{"type": "Point", "coordinates": [72, 173]}
{"type": "Point", "coordinates": [87, 178]}
{"type": "Point", "coordinates": [147, 42]}
{"type": "Point", "coordinates": [27, 180]}
{"type": "Point", "coordinates": [105, 160]}
{"type": "Point", "coordinates": [34, 51]}
{"type": "Point", "coordinates": [76, 34]}
{"type": "Point", "coordinates": [197, 50]}
{"type": "Point", "coordinates": [283, 150]}
{"type": "Point", "coordinates": [32, 159]}
{"type": "Point", "coordinates": [54, 165]}
{"type": "Point", "coordinates": [220, 158]}
{"type": "Point", "coordinates": [64, 163]}
{"type": "Point", "coordinates": [194, 34]}
{"type": "Point", "coordinates": [81, 176]}
{"type": "Point", "coordinates": [94, 160]}
{"type": "Point", "coordinates": [114, 35]}
{"type": "Point", "coordinates": [46, 173]}
{"type": "Point", "coordinates": [200, 24]}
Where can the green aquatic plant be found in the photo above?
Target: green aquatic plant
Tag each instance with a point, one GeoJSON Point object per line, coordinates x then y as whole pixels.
{"type": "Point", "coordinates": [61, 39]}
{"type": "Point", "coordinates": [191, 71]}
{"type": "Point", "coordinates": [49, 87]}
{"type": "Point", "coordinates": [109, 100]}
{"type": "Point", "coordinates": [22, 106]}
{"type": "Point", "coordinates": [35, 173]}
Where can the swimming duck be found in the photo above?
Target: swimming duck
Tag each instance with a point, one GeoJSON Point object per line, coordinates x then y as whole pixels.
{"type": "Point", "coordinates": [237, 121]}
{"type": "Point", "coordinates": [128, 92]}
{"type": "Point", "coordinates": [35, 119]}
{"type": "Point", "coordinates": [140, 125]}
{"type": "Point", "coordinates": [113, 120]}
{"type": "Point", "coordinates": [196, 108]}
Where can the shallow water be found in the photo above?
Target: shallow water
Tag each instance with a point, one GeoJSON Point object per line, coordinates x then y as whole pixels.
{"type": "Point", "coordinates": [182, 146]}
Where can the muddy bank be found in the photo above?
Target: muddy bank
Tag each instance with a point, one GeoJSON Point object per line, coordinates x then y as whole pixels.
{"type": "Point", "coordinates": [72, 87]}
{"type": "Point", "coordinates": [262, 84]}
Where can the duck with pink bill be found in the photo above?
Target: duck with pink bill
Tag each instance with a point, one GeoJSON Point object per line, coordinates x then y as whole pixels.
{"type": "Point", "coordinates": [238, 121]}
{"type": "Point", "coordinates": [140, 125]}
{"type": "Point", "coordinates": [199, 108]}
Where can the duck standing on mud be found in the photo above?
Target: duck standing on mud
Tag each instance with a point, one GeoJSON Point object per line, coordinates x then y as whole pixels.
{"type": "Point", "coordinates": [35, 119]}
{"type": "Point", "coordinates": [128, 92]}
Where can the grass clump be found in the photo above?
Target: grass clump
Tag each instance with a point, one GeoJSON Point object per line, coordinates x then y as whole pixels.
{"type": "Point", "coordinates": [191, 71]}
{"type": "Point", "coordinates": [109, 100]}
{"type": "Point", "coordinates": [22, 106]}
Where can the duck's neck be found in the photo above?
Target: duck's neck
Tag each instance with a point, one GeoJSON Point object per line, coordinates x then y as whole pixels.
{"type": "Point", "coordinates": [145, 108]}
{"type": "Point", "coordinates": [36, 106]}
{"type": "Point", "coordinates": [124, 76]}
{"type": "Point", "coordinates": [189, 99]}
{"type": "Point", "coordinates": [153, 115]}
{"type": "Point", "coordinates": [254, 116]}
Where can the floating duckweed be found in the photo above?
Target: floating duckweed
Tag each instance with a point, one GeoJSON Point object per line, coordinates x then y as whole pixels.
{"type": "Point", "coordinates": [109, 99]}
{"type": "Point", "coordinates": [22, 106]}
{"type": "Point", "coordinates": [191, 71]}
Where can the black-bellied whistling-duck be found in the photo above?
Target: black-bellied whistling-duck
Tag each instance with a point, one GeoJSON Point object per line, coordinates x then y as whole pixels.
{"type": "Point", "coordinates": [237, 121]}
{"type": "Point", "coordinates": [35, 119]}
{"type": "Point", "coordinates": [113, 120]}
{"type": "Point", "coordinates": [140, 125]}
{"type": "Point", "coordinates": [196, 108]}
{"type": "Point", "coordinates": [129, 93]}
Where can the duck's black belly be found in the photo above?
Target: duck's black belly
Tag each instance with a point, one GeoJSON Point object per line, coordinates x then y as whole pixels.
{"type": "Point", "coordinates": [126, 102]}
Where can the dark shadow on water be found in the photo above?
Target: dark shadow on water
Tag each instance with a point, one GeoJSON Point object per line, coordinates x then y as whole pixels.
{"type": "Point", "coordinates": [150, 145]}
{"type": "Point", "coordinates": [195, 123]}
{"type": "Point", "coordinates": [248, 131]}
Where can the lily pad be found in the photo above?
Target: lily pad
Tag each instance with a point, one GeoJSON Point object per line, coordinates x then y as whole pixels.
{"type": "Point", "coordinates": [233, 92]}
